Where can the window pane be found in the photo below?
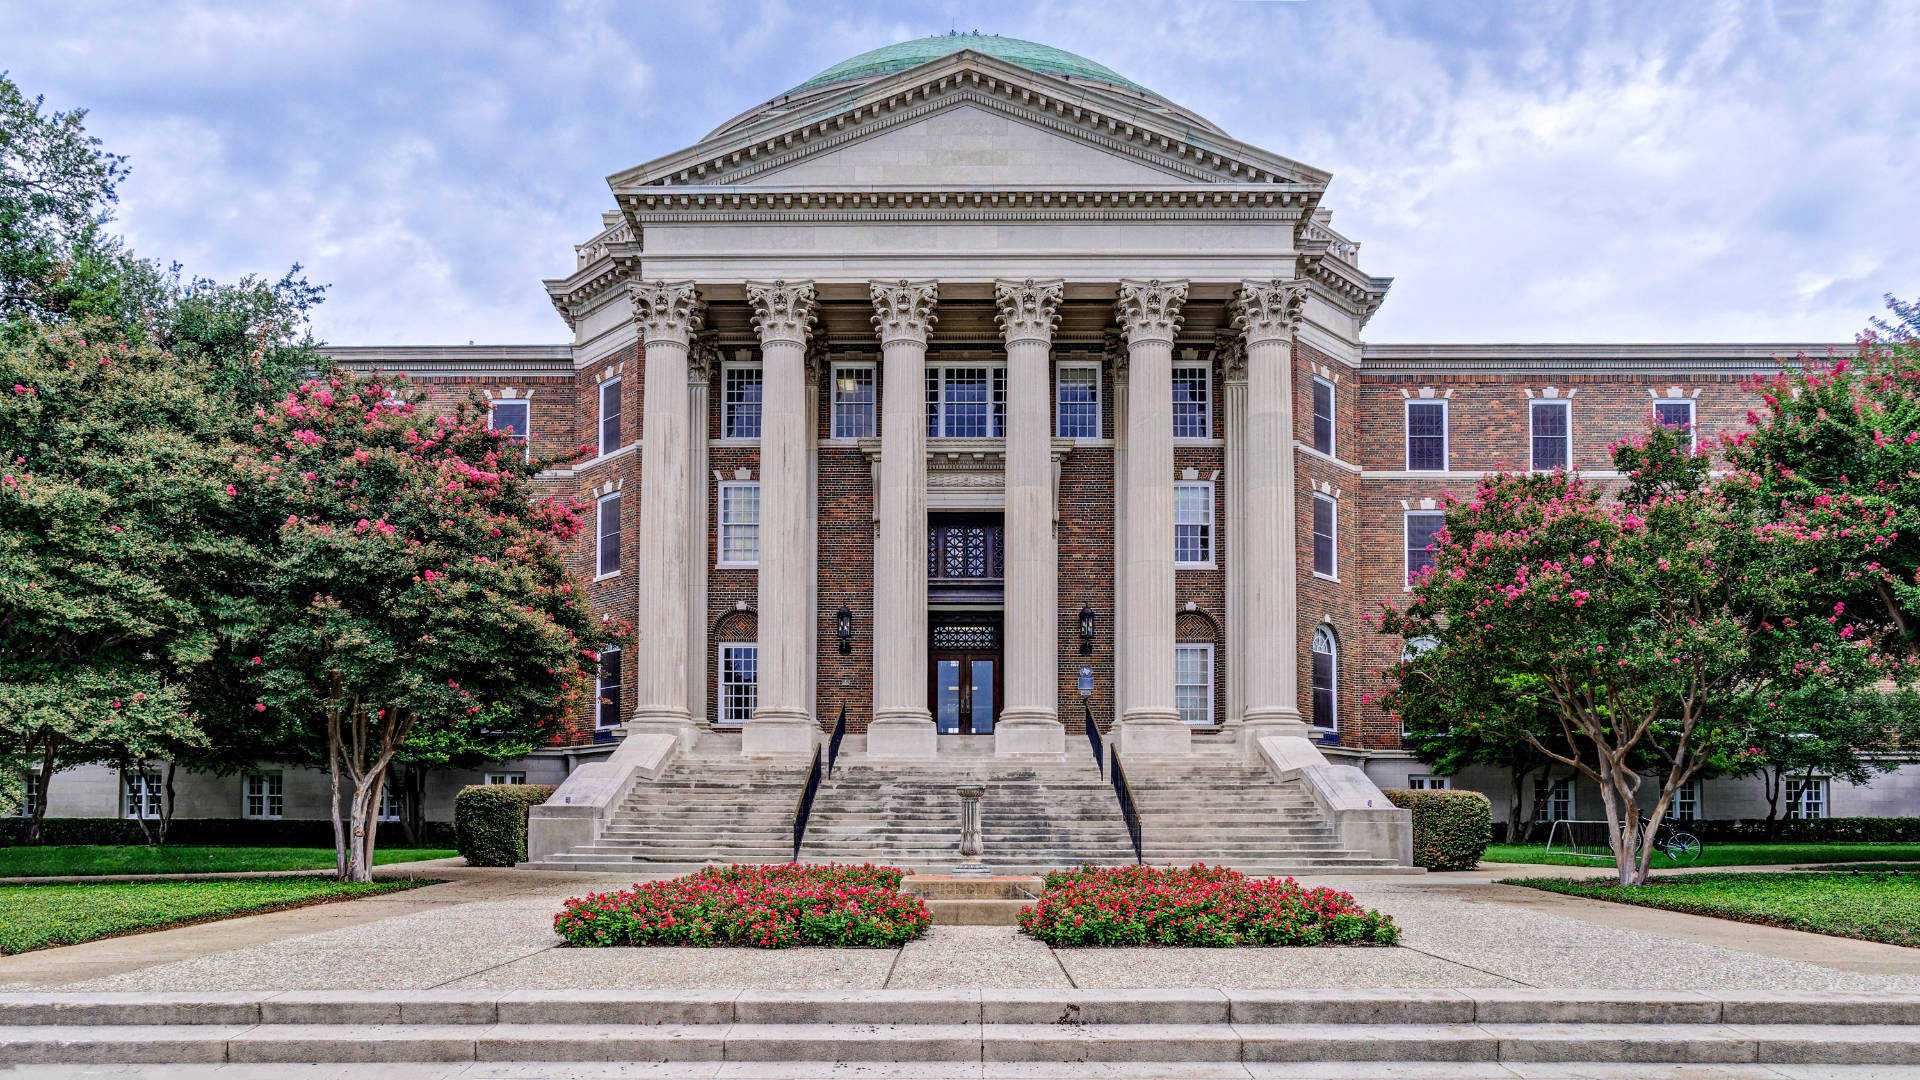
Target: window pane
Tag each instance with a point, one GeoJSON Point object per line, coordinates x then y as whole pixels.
{"type": "Point", "coordinates": [1079, 402]}
{"type": "Point", "coordinates": [1323, 679]}
{"type": "Point", "coordinates": [1420, 531]}
{"type": "Point", "coordinates": [1193, 523]}
{"type": "Point", "coordinates": [1427, 436]}
{"type": "Point", "coordinates": [1190, 401]}
{"type": "Point", "coordinates": [740, 523]}
{"type": "Point", "coordinates": [509, 417]}
{"type": "Point", "coordinates": [607, 712]}
{"type": "Point", "coordinates": [609, 534]}
{"type": "Point", "coordinates": [1323, 417]}
{"type": "Point", "coordinates": [1193, 683]}
{"type": "Point", "coordinates": [1674, 413]}
{"type": "Point", "coordinates": [1325, 559]}
{"type": "Point", "coordinates": [1550, 436]}
{"type": "Point", "coordinates": [967, 411]}
{"type": "Point", "coordinates": [853, 402]}
{"type": "Point", "coordinates": [739, 681]}
{"type": "Point", "coordinates": [740, 403]}
{"type": "Point", "coordinates": [610, 416]}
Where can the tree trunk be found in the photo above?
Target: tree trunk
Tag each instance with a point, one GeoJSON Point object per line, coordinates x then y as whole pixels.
{"type": "Point", "coordinates": [362, 811]}
{"type": "Point", "coordinates": [1771, 782]}
{"type": "Point", "coordinates": [1515, 817]}
{"type": "Point", "coordinates": [413, 806]}
{"type": "Point", "coordinates": [334, 753]}
{"type": "Point", "coordinates": [35, 824]}
{"type": "Point", "coordinates": [140, 799]}
{"type": "Point", "coordinates": [166, 802]}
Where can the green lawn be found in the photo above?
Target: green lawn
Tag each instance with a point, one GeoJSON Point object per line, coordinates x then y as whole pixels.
{"type": "Point", "coordinates": [87, 860]}
{"type": "Point", "coordinates": [36, 916]}
{"type": "Point", "coordinates": [1875, 906]}
{"type": "Point", "coordinates": [1725, 854]}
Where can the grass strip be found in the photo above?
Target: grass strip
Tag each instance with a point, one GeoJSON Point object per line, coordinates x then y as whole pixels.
{"type": "Point", "coordinates": [1724, 855]}
{"type": "Point", "coordinates": [1872, 906]}
{"type": "Point", "coordinates": [38, 916]}
{"type": "Point", "coordinates": [85, 860]}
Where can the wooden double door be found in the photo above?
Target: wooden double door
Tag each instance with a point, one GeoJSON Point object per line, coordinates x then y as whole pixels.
{"type": "Point", "coordinates": [964, 673]}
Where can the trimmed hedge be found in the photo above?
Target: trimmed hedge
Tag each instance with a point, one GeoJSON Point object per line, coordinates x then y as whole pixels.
{"type": "Point", "coordinates": [212, 832]}
{"type": "Point", "coordinates": [490, 821]}
{"type": "Point", "coordinates": [1856, 830]}
{"type": "Point", "coordinates": [1451, 829]}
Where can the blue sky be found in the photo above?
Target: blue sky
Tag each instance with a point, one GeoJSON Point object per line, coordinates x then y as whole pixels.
{"type": "Point", "coordinates": [1539, 171]}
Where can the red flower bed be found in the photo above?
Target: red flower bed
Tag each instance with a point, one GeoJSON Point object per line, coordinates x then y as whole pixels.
{"type": "Point", "coordinates": [1201, 905]}
{"type": "Point", "coordinates": [768, 906]}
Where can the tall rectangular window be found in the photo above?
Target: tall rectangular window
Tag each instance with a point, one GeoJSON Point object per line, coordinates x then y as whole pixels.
{"type": "Point", "coordinates": [1686, 801]}
{"type": "Point", "coordinates": [609, 416]}
{"type": "Point", "coordinates": [1677, 412]}
{"type": "Point", "coordinates": [740, 400]}
{"type": "Point", "coordinates": [1077, 401]}
{"type": "Point", "coordinates": [1326, 527]}
{"type": "Point", "coordinates": [1421, 527]}
{"type": "Point", "coordinates": [967, 401]}
{"type": "Point", "coordinates": [1325, 674]}
{"type": "Point", "coordinates": [606, 690]}
{"type": "Point", "coordinates": [391, 803]}
{"type": "Point", "coordinates": [1192, 402]}
{"type": "Point", "coordinates": [1806, 799]}
{"type": "Point", "coordinates": [510, 418]}
{"type": "Point", "coordinates": [740, 523]}
{"type": "Point", "coordinates": [606, 531]}
{"type": "Point", "coordinates": [1427, 436]}
{"type": "Point", "coordinates": [264, 797]}
{"type": "Point", "coordinates": [1553, 800]}
{"type": "Point", "coordinates": [739, 682]}
{"type": "Point", "coordinates": [1193, 683]}
{"type": "Point", "coordinates": [141, 794]}
{"type": "Point", "coordinates": [1193, 523]}
{"type": "Point", "coordinates": [854, 405]}
{"type": "Point", "coordinates": [1552, 435]}
{"type": "Point", "coordinates": [1323, 416]}
{"type": "Point", "coordinates": [30, 792]}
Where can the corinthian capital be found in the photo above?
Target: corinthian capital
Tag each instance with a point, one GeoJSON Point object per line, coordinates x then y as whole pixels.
{"type": "Point", "coordinates": [1028, 310]}
{"type": "Point", "coordinates": [1150, 310]}
{"type": "Point", "coordinates": [782, 310]}
{"type": "Point", "coordinates": [903, 310]}
{"type": "Point", "coordinates": [1269, 310]}
{"type": "Point", "coordinates": [667, 311]}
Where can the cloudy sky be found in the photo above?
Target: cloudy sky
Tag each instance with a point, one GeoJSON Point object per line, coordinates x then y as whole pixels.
{"type": "Point", "coordinates": [1543, 171]}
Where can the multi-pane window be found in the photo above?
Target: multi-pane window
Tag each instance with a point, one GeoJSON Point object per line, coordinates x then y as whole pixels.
{"type": "Point", "coordinates": [1427, 436]}
{"type": "Point", "coordinates": [1686, 801]}
{"type": "Point", "coordinates": [1323, 416]}
{"type": "Point", "coordinates": [1192, 403]}
{"type": "Point", "coordinates": [609, 416]}
{"type": "Point", "coordinates": [606, 689]}
{"type": "Point", "coordinates": [1326, 674]}
{"type": "Point", "coordinates": [606, 550]}
{"type": "Point", "coordinates": [1552, 435]}
{"type": "Point", "coordinates": [506, 778]}
{"type": "Point", "coordinates": [1553, 800]}
{"type": "Point", "coordinates": [1429, 783]}
{"type": "Point", "coordinates": [30, 794]}
{"type": "Point", "coordinates": [140, 794]}
{"type": "Point", "coordinates": [1677, 412]}
{"type": "Point", "coordinates": [510, 419]}
{"type": "Point", "coordinates": [1422, 525]}
{"type": "Point", "coordinates": [739, 682]}
{"type": "Point", "coordinates": [1193, 523]}
{"type": "Point", "coordinates": [854, 405]}
{"type": "Point", "coordinates": [967, 401]}
{"type": "Point", "coordinates": [264, 797]}
{"type": "Point", "coordinates": [1193, 683]}
{"type": "Point", "coordinates": [391, 803]}
{"type": "Point", "coordinates": [1077, 401]}
{"type": "Point", "coordinates": [1416, 647]}
{"type": "Point", "coordinates": [1806, 799]}
{"type": "Point", "coordinates": [740, 523]}
{"type": "Point", "coordinates": [1326, 525]}
{"type": "Point", "coordinates": [740, 401]}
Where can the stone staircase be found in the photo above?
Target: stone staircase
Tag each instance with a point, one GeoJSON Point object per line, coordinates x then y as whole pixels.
{"type": "Point", "coordinates": [1036, 815]}
{"type": "Point", "coordinates": [711, 806]}
{"type": "Point", "coordinates": [1216, 807]}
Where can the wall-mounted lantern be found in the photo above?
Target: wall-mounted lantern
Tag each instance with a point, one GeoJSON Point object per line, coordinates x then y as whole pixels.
{"type": "Point", "coordinates": [1086, 631]}
{"type": "Point", "coordinates": [843, 628]}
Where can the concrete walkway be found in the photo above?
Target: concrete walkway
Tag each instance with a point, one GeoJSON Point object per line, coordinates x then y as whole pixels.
{"type": "Point", "coordinates": [493, 929]}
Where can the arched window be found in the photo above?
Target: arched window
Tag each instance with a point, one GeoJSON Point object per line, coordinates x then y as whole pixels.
{"type": "Point", "coordinates": [1419, 646]}
{"type": "Point", "coordinates": [1326, 674]}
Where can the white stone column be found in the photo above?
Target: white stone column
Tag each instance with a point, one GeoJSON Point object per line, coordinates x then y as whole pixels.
{"type": "Point", "coordinates": [783, 720]}
{"type": "Point", "coordinates": [903, 315]}
{"type": "Point", "coordinates": [1030, 721]}
{"type": "Point", "coordinates": [1267, 312]}
{"type": "Point", "coordinates": [667, 314]}
{"type": "Point", "coordinates": [1149, 313]}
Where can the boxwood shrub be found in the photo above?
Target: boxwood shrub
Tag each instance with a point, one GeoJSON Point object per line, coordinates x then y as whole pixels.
{"type": "Point", "coordinates": [1451, 829]}
{"type": "Point", "coordinates": [490, 821]}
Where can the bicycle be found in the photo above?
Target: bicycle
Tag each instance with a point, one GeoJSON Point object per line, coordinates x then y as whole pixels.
{"type": "Point", "coordinates": [1682, 848]}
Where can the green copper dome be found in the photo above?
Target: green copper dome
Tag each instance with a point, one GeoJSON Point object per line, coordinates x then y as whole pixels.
{"type": "Point", "coordinates": [1027, 54]}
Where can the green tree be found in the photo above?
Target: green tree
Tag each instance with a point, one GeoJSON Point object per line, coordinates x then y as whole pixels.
{"type": "Point", "coordinates": [1844, 737]}
{"type": "Point", "coordinates": [57, 189]}
{"type": "Point", "coordinates": [415, 594]}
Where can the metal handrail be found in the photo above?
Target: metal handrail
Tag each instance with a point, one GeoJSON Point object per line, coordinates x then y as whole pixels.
{"type": "Point", "coordinates": [1093, 739]}
{"type": "Point", "coordinates": [1127, 810]}
{"type": "Point", "coordinates": [805, 810]}
{"type": "Point", "coordinates": [833, 744]}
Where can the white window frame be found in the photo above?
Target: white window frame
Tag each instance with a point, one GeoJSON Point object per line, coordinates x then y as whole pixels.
{"type": "Point", "coordinates": [267, 790]}
{"type": "Point", "coordinates": [1566, 409]}
{"type": "Point", "coordinates": [1207, 526]}
{"type": "Point", "coordinates": [727, 528]}
{"type": "Point", "coordinates": [29, 791]}
{"type": "Point", "coordinates": [1797, 807]}
{"type": "Point", "coordinates": [601, 710]}
{"type": "Point", "coordinates": [1555, 790]}
{"type": "Point", "coordinates": [722, 683]}
{"type": "Point", "coordinates": [146, 786]}
{"type": "Point", "coordinates": [1206, 400]}
{"type": "Point", "coordinates": [936, 378]}
{"type": "Point", "coordinates": [1324, 632]}
{"type": "Point", "coordinates": [872, 417]}
{"type": "Point", "coordinates": [1692, 422]}
{"type": "Point", "coordinates": [1446, 433]}
{"type": "Point", "coordinates": [1406, 542]}
{"type": "Point", "coordinates": [1428, 782]}
{"type": "Point", "coordinates": [391, 804]}
{"type": "Point", "coordinates": [1333, 400]}
{"type": "Point", "coordinates": [1333, 537]}
{"type": "Point", "coordinates": [730, 371]}
{"type": "Point", "coordinates": [1177, 684]}
{"type": "Point", "coordinates": [494, 779]}
{"type": "Point", "coordinates": [525, 405]}
{"type": "Point", "coordinates": [600, 536]}
{"type": "Point", "coordinates": [1059, 404]}
{"type": "Point", "coordinates": [1687, 802]}
{"type": "Point", "coordinates": [610, 388]}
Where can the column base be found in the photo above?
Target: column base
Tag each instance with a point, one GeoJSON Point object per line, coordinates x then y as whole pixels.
{"type": "Point", "coordinates": [1153, 733]}
{"type": "Point", "coordinates": [662, 721]}
{"type": "Point", "coordinates": [1036, 731]}
{"type": "Point", "coordinates": [779, 733]}
{"type": "Point", "coordinates": [904, 734]}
